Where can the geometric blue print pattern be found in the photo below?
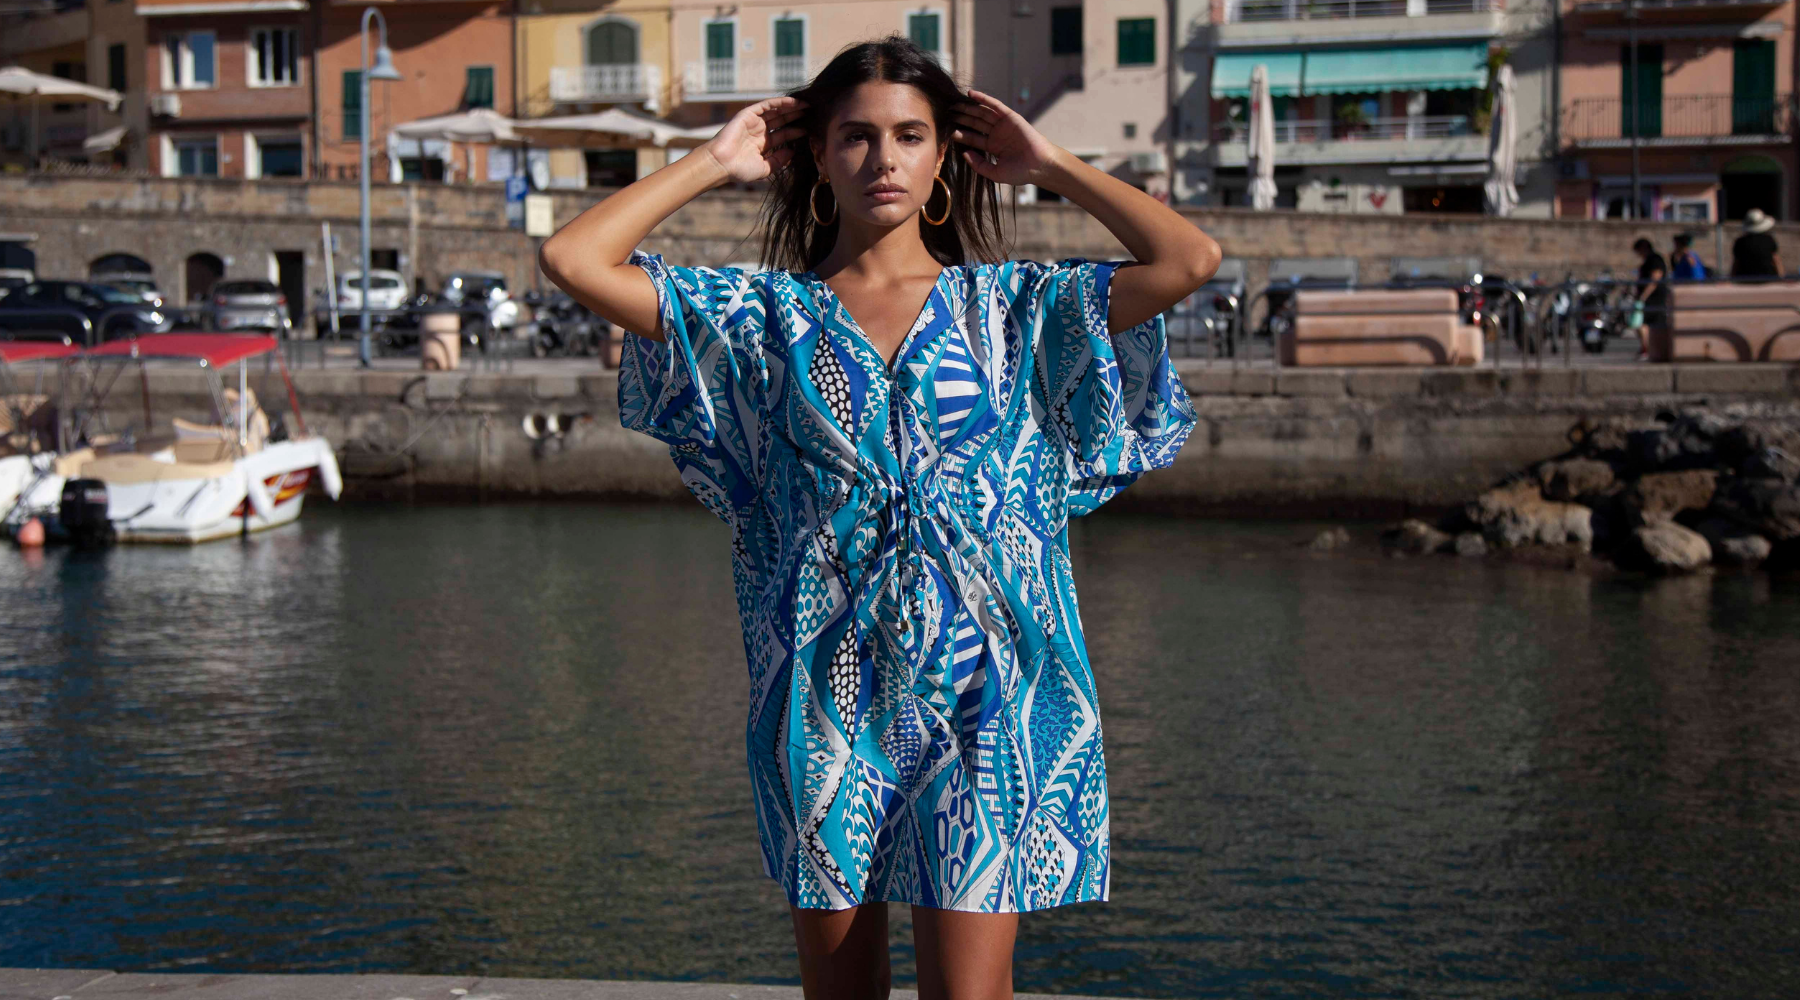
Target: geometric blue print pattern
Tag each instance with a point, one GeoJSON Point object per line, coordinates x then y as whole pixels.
{"type": "Point", "coordinates": [923, 721]}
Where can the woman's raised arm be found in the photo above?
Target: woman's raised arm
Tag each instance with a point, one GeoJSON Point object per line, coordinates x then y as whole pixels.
{"type": "Point", "coordinates": [1175, 256]}
{"type": "Point", "coordinates": [586, 258]}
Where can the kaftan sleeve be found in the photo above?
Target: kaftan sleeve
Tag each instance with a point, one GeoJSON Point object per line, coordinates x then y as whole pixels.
{"type": "Point", "coordinates": [1114, 405]}
{"type": "Point", "coordinates": [700, 389]}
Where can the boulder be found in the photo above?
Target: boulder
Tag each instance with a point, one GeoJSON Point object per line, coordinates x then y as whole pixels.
{"type": "Point", "coordinates": [1666, 547]}
{"type": "Point", "coordinates": [1737, 445]}
{"type": "Point", "coordinates": [1415, 537]}
{"type": "Point", "coordinates": [1575, 478]}
{"type": "Point", "coordinates": [1604, 438]}
{"type": "Point", "coordinates": [1470, 543]}
{"type": "Point", "coordinates": [1770, 463]}
{"type": "Point", "coordinates": [1659, 496]}
{"type": "Point", "coordinates": [1732, 543]}
{"type": "Point", "coordinates": [1767, 507]}
{"type": "Point", "coordinates": [1687, 442]}
{"type": "Point", "coordinates": [1517, 514]}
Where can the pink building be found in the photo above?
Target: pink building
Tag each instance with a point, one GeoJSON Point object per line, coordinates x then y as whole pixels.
{"type": "Point", "coordinates": [1713, 111]}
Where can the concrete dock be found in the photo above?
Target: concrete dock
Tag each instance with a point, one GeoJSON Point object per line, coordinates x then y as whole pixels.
{"type": "Point", "coordinates": [82, 984]}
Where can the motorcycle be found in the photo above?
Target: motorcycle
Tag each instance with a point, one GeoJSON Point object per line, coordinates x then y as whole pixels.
{"type": "Point", "coordinates": [565, 327]}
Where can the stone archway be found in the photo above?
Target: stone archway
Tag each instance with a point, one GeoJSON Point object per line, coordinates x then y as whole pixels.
{"type": "Point", "coordinates": [202, 271]}
{"type": "Point", "coordinates": [119, 264]}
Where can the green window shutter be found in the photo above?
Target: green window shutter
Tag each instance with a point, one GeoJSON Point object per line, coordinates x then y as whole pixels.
{"type": "Point", "coordinates": [353, 104]}
{"type": "Point", "coordinates": [1137, 41]}
{"type": "Point", "coordinates": [478, 91]}
{"type": "Point", "coordinates": [790, 38]}
{"type": "Point", "coordinates": [612, 44]}
{"type": "Point", "coordinates": [1649, 91]}
{"type": "Point", "coordinates": [923, 30]}
{"type": "Point", "coordinates": [1065, 31]}
{"type": "Point", "coordinates": [721, 40]}
{"type": "Point", "coordinates": [1753, 87]}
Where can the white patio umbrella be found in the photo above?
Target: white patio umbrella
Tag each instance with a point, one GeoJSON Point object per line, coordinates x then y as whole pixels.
{"type": "Point", "coordinates": [610, 129]}
{"type": "Point", "coordinates": [483, 126]}
{"type": "Point", "coordinates": [1503, 158]}
{"type": "Point", "coordinates": [1262, 141]}
{"type": "Point", "coordinates": [23, 84]}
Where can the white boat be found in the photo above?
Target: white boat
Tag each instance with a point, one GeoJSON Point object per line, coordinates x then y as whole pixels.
{"type": "Point", "coordinates": [214, 480]}
{"type": "Point", "coordinates": [31, 470]}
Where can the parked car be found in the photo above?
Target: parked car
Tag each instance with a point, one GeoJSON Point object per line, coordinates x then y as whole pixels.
{"type": "Point", "coordinates": [14, 277]}
{"type": "Point", "coordinates": [387, 290]}
{"type": "Point", "coordinates": [467, 287]}
{"type": "Point", "coordinates": [112, 313]}
{"type": "Point", "coordinates": [250, 305]}
{"type": "Point", "coordinates": [141, 285]}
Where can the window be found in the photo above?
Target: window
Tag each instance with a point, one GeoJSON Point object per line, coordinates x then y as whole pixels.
{"type": "Point", "coordinates": [790, 52]}
{"type": "Point", "coordinates": [1648, 90]}
{"type": "Point", "coordinates": [279, 156]}
{"type": "Point", "coordinates": [353, 104]}
{"type": "Point", "coordinates": [610, 168]}
{"type": "Point", "coordinates": [922, 28]}
{"type": "Point", "coordinates": [612, 43]}
{"type": "Point", "coordinates": [1137, 41]}
{"type": "Point", "coordinates": [1753, 87]}
{"type": "Point", "coordinates": [115, 67]}
{"type": "Point", "coordinates": [721, 55]}
{"type": "Point", "coordinates": [1065, 31]}
{"type": "Point", "coordinates": [188, 60]}
{"type": "Point", "coordinates": [76, 71]}
{"type": "Point", "coordinates": [197, 157]}
{"type": "Point", "coordinates": [274, 57]}
{"type": "Point", "coordinates": [478, 90]}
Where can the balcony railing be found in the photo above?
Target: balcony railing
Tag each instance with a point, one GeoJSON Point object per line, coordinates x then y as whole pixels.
{"type": "Point", "coordinates": [613, 82]}
{"type": "Point", "coordinates": [1709, 118]}
{"type": "Point", "coordinates": [1336, 10]}
{"type": "Point", "coordinates": [745, 76]}
{"type": "Point", "coordinates": [1375, 129]}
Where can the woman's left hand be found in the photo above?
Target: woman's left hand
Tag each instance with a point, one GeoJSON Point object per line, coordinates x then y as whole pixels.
{"type": "Point", "coordinates": [1003, 146]}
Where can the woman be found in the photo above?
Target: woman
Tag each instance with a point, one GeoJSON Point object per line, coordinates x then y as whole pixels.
{"type": "Point", "coordinates": [1650, 303]}
{"type": "Point", "coordinates": [897, 439]}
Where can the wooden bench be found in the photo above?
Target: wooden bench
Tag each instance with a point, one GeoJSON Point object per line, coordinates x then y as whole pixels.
{"type": "Point", "coordinates": [1415, 326]}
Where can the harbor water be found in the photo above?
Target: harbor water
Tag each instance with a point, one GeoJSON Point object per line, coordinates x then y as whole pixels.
{"type": "Point", "coordinates": [508, 740]}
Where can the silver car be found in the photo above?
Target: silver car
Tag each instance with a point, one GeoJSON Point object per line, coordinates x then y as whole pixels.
{"type": "Point", "coordinates": [250, 305]}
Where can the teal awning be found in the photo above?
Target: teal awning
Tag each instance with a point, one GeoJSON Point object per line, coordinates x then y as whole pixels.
{"type": "Point", "coordinates": [1231, 73]}
{"type": "Point", "coordinates": [1418, 67]}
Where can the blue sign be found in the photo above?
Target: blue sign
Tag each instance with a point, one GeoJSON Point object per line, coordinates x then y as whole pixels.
{"type": "Point", "coordinates": [516, 188]}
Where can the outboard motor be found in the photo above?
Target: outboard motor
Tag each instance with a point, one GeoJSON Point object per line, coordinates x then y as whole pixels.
{"type": "Point", "coordinates": [83, 512]}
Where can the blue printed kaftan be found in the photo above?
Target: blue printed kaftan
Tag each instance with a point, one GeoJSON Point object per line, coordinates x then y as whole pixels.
{"type": "Point", "coordinates": [923, 723]}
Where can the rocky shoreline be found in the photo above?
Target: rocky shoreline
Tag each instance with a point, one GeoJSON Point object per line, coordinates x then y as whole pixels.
{"type": "Point", "coordinates": [1691, 489]}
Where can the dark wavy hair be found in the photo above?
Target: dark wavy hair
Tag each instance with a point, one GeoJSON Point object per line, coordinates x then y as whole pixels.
{"type": "Point", "coordinates": [793, 242]}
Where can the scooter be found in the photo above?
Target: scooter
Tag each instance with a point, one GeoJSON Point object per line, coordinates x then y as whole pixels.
{"type": "Point", "coordinates": [565, 327]}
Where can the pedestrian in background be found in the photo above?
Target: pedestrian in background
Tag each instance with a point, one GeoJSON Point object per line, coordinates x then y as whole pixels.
{"type": "Point", "coordinates": [1650, 307]}
{"type": "Point", "coordinates": [1755, 254]}
{"type": "Point", "coordinates": [1684, 263]}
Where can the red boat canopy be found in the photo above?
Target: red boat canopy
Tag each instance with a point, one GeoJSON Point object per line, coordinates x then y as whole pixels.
{"type": "Point", "coordinates": [34, 350]}
{"type": "Point", "coordinates": [216, 349]}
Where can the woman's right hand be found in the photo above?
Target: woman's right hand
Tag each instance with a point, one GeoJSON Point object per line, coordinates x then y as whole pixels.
{"type": "Point", "coordinates": [753, 144]}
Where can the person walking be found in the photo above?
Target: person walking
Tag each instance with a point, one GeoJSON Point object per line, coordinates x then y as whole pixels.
{"type": "Point", "coordinates": [1755, 254]}
{"type": "Point", "coordinates": [1684, 263]}
{"type": "Point", "coordinates": [1649, 308]}
{"type": "Point", "coordinates": [897, 424]}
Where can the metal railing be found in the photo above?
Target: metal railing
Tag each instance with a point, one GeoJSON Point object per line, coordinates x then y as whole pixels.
{"type": "Point", "coordinates": [1319, 130]}
{"type": "Point", "coordinates": [1681, 116]}
{"type": "Point", "coordinates": [733, 76]}
{"type": "Point", "coordinates": [1237, 11]}
{"type": "Point", "coordinates": [612, 82]}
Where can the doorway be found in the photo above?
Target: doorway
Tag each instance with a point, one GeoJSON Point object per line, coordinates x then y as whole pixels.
{"type": "Point", "coordinates": [202, 272]}
{"type": "Point", "coordinates": [290, 275]}
{"type": "Point", "coordinates": [1750, 182]}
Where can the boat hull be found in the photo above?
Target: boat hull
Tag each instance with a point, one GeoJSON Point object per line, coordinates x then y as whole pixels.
{"type": "Point", "coordinates": [262, 491]}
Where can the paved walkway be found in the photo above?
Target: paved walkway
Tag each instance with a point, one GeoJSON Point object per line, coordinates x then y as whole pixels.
{"type": "Point", "coordinates": [82, 984]}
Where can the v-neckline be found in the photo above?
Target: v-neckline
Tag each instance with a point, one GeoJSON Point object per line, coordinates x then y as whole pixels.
{"type": "Point", "coordinates": [889, 365]}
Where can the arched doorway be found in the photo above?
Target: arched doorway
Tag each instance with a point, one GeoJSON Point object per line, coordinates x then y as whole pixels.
{"type": "Point", "coordinates": [119, 265]}
{"type": "Point", "coordinates": [202, 272]}
{"type": "Point", "coordinates": [1750, 182]}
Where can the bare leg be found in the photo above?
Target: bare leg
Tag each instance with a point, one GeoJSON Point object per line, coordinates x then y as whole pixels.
{"type": "Point", "coordinates": [843, 953]}
{"type": "Point", "coordinates": [964, 956]}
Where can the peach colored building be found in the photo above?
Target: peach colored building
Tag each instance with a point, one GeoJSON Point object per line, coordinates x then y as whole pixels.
{"type": "Point", "coordinates": [1714, 112]}
{"type": "Point", "coordinates": [94, 42]}
{"type": "Point", "coordinates": [453, 55]}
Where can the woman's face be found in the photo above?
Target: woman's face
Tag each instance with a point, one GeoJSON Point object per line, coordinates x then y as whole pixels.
{"type": "Point", "coordinates": [879, 153]}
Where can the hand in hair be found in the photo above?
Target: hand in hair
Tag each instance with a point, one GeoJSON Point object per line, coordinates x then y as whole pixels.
{"type": "Point", "coordinates": [754, 143]}
{"type": "Point", "coordinates": [1003, 146]}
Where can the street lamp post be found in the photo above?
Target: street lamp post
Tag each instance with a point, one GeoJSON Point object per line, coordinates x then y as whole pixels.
{"type": "Point", "coordinates": [382, 70]}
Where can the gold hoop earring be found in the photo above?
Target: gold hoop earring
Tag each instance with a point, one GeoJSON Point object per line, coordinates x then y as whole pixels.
{"type": "Point", "coordinates": [936, 180]}
{"type": "Point", "coordinates": [812, 204]}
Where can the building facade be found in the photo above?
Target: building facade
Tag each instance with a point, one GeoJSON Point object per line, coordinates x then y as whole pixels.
{"type": "Point", "coordinates": [1708, 106]}
{"type": "Point", "coordinates": [97, 42]}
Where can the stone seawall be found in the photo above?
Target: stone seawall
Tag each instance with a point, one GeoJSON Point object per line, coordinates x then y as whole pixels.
{"type": "Point", "coordinates": [1337, 442]}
